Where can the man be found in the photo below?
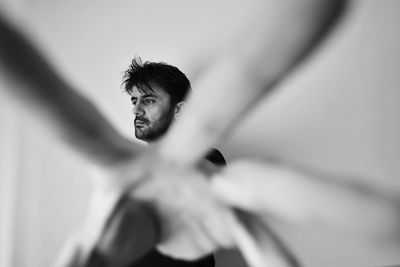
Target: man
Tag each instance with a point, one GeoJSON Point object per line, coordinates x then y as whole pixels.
{"type": "Point", "coordinates": [29, 72]}
{"type": "Point", "coordinates": [157, 92]}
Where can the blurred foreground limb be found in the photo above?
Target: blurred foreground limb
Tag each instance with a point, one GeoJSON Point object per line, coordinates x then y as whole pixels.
{"type": "Point", "coordinates": [242, 74]}
{"type": "Point", "coordinates": [266, 49]}
{"type": "Point", "coordinates": [264, 53]}
{"type": "Point", "coordinates": [33, 81]}
{"type": "Point", "coordinates": [302, 198]}
{"type": "Point", "coordinates": [37, 85]}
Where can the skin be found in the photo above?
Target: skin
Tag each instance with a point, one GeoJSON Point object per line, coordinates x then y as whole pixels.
{"type": "Point", "coordinates": [256, 60]}
{"type": "Point", "coordinates": [190, 228]}
{"type": "Point", "coordinates": [41, 89]}
{"type": "Point", "coordinates": [185, 233]}
{"type": "Point", "coordinates": [153, 113]}
{"type": "Point", "coordinates": [247, 69]}
{"type": "Point", "coordinates": [296, 201]}
{"type": "Point", "coordinates": [30, 72]}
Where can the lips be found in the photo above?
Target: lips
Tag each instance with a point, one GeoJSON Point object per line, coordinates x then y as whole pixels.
{"type": "Point", "coordinates": [140, 123]}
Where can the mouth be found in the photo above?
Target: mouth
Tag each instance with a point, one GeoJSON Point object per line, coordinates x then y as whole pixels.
{"type": "Point", "coordinates": [140, 123]}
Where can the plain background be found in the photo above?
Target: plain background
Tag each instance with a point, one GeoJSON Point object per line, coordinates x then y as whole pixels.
{"type": "Point", "coordinates": [338, 113]}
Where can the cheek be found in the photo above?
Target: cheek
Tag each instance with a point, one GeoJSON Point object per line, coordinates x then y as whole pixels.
{"type": "Point", "coordinates": [154, 114]}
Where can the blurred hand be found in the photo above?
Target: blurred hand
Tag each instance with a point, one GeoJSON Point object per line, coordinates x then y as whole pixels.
{"type": "Point", "coordinates": [303, 200]}
{"type": "Point", "coordinates": [192, 221]}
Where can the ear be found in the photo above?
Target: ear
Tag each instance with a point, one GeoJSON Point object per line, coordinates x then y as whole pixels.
{"type": "Point", "coordinates": [179, 108]}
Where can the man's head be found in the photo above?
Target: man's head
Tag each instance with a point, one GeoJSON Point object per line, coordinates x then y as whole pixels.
{"type": "Point", "coordinates": [157, 92]}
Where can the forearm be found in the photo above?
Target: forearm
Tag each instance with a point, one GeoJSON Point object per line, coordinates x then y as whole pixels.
{"type": "Point", "coordinates": [33, 80]}
{"type": "Point", "coordinates": [272, 43]}
{"type": "Point", "coordinates": [305, 197]}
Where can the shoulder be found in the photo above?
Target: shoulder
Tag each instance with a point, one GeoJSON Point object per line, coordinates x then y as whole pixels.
{"type": "Point", "coordinates": [216, 157]}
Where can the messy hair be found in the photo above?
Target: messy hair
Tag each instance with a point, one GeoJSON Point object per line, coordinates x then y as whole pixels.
{"type": "Point", "coordinates": [144, 75]}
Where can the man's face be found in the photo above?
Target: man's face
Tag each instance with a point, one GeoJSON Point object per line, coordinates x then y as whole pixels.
{"type": "Point", "coordinates": [153, 113]}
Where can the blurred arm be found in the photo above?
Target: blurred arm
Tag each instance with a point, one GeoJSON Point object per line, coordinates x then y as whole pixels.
{"type": "Point", "coordinates": [272, 43]}
{"type": "Point", "coordinates": [303, 199]}
{"type": "Point", "coordinates": [33, 80]}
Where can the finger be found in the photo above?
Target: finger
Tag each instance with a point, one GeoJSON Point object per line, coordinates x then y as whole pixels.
{"type": "Point", "coordinates": [259, 246]}
{"type": "Point", "coordinates": [236, 80]}
{"type": "Point", "coordinates": [301, 198]}
{"type": "Point", "coordinates": [273, 250]}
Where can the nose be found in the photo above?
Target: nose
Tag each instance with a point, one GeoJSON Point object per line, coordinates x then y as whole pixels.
{"type": "Point", "coordinates": [138, 109]}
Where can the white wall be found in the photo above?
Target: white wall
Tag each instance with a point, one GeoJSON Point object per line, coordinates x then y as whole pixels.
{"type": "Point", "coordinates": [338, 113]}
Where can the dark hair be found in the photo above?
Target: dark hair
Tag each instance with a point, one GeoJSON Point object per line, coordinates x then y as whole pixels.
{"type": "Point", "coordinates": [169, 78]}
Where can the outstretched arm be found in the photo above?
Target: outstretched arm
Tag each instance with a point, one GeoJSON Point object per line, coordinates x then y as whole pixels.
{"type": "Point", "coordinates": [274, 41]}
{"type": "Point", "coordinates": [364, 217]}
{"type": "Point", "coordinates": [32, 79]}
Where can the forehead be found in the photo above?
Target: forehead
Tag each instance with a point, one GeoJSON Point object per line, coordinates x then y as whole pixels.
{"type": "Point", "coordinates": [144, 91]}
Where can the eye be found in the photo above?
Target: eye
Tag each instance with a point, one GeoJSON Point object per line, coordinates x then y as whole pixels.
{"type": "Point", "coordinates": [149, 101]}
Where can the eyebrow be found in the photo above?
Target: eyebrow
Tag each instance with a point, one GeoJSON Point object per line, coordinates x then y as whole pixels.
{"type": "Point", "coordinates": [149, 95]}
{"type": "Point", "coordinates": [144, 96]}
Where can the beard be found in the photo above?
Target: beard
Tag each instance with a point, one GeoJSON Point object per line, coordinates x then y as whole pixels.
{"type": "Point", "coordinates": [149, 131]}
